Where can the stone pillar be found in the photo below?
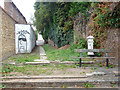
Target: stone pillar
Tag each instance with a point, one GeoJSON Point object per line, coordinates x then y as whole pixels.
{"type": "Point", "coordinates": [90, 44]}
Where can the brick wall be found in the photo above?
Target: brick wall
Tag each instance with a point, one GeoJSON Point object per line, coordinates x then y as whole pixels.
{"type": "Point", "coordinates": [8, 35]}
{"type": "Point", "coordinates": [0, 35]}
{"type": "Point", "coordinates": [16, 12]}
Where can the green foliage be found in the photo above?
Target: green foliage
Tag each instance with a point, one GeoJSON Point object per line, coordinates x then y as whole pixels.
{"type": "Point", "coordinates": [46, 69]}
{"type": "Point", "coordinates": [55, 20]}
{"type": "Point", "coordinates": [82, 44]}
{"type": "Point", "coordinates": [24, 58]}
{"type": "Point", "coordinates": [103, 18]}
{"type": "Point", "coordinates": [88, 85]}
{"type": "Point", "coordinates": [112, 85]}
{"type": "Point", "coordinates": [64, 86]}
{"type": "Point", "coordinates": [7, 68]}
{"type": "Point", "coordinates": [100, 65]}
{"type": "Point", "coordinates": [63, 55]}
{"type": "Point", "coordinates": [98, 53]}
{"type": "Point", "coordinates": [57, 54]}
{"type": "Point", "coordinates": [43, 16]}
{"type": "Point", "coordinates": [59, 37]}
{"type": "Point", "coordinates": [2, 86]}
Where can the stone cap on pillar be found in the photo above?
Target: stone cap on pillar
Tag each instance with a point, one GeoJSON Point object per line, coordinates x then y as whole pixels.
{"type": "Point", "coordinates": [90, 37]}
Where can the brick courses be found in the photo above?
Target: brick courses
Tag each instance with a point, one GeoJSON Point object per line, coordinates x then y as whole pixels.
{"type": "Point", "coordinates": [7, 35]}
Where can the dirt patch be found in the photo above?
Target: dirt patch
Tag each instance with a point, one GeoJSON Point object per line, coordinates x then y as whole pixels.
{"type": "Point", "coordinates": [65, 47]}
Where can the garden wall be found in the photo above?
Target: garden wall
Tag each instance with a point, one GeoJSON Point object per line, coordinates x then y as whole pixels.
{"type": "Point", "coordinates": [80, 26]}
{"type": "Point", "coordinates": [112, 42]}
{"type": "Point", "coordinates": [7, 35]}
{"type": "Point", "coordinates": [83, 29]}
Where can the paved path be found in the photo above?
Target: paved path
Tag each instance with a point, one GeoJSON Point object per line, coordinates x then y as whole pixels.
{"type": "Point", "coordinates": [42, 51]}
{"type": "Point", "coordinates": [43, 57]}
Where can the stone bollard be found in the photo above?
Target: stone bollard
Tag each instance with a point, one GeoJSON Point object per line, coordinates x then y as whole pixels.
{"type": "Point", "coordinates": [90, 44]}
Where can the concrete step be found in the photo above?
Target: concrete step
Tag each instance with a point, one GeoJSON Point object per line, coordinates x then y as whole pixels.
{"type": "Point", "coordinates": [42, 54]}
{"type": "Point", "coordinates": [60, 88]}
{"type": "Point", "coordinates": [43, 77]}
{"type": "Point", "coordinates": [17, 83]}
{"type": "Point", "coordinates": [43, 57]}
{"type": "Point", "coordinates": [37, 63]}
{"type": "Point", "coordinates": [96, 74]}
{"type": "Point", "coordinates": [42, 62]}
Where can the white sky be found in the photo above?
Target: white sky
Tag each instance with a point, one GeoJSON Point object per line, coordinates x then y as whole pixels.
{"type": "Point", "coordinates": [26, 8]}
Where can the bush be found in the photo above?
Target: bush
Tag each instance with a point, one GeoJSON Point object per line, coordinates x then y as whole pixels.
{"type": "Point", "coordinates": [59, 37]}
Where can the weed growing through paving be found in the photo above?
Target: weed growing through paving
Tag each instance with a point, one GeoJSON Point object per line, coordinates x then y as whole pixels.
{"type": "Point", "coordinates": [84, 65]}
{"type": "Point", "coordinates": [7, 68]}
{"type": "Point", "coordinates": [84, 72]}
{"type": "Point", "coordinates": [2, 86]}
{"type": "Point", "coordinates": [88, 85]}
{"type": "Point", "coordinates": [92, 65]}
{"type": "Point", "coordinates": [95, 69]}
{"type": "Point", "coordinates": [64, 86]}
{"type": "Point", "coordinates": [100, 65]}
{"type": "Point", "coordinates": [112, 85]}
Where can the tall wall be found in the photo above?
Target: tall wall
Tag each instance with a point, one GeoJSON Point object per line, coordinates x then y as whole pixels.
{"type": "Point", "coordinates": [79, 27]}
{"type": "Point", "coordinates": [0, 35]}
{"type": "Point", "coordinates": [112, 41]}
{"type": "Point", "coordinates": [7, 30]}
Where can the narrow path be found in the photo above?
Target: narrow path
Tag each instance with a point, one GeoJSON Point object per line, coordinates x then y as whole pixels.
{"type": "Point", "coordinates": [43, 57]}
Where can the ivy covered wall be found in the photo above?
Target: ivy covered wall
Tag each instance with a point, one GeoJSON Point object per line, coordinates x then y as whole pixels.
{"type": "Point", "coordinates": [104, 25]}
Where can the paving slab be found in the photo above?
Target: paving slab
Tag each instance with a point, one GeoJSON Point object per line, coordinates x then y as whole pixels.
{"type": "Point", "coordinates": [37, 63]}
{"type": "Point", "coordinates": [98, 73]}
{"type": "Point", "coordinates": [88, 62]}
{"type": "Point", "coordinates": [44, 77]}
{"type": "Point", "coordinates": [56, 82]}
{"type": "Point", "coordinates": [42, 51]}
{"type": "Point", "coordinates": [116, 73]}
{"type": "Point", "coordinates": [13, 63]}
{"type": "Point", "coordinates": [41, 60]}
{"type": "Point", "coordinates": [89, 74]}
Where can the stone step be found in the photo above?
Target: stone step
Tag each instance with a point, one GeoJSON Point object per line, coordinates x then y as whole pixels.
{"type": "Point", "coordinates": [117, 73]}
{"type": "Point", "coordinates": [95, 74]}
{"type": "Point", "coordinates": [17, 83]}
{"type": "Point", "coordinates": [42, 54]}
{"type": "Point", "coordinates": [37, 63]}
{"type": "Point", "coordinates": [42, 62]}
{"type": "Point", "coordinates": [43, 57]}
{"type": "Point", "coordinates": [43, 77]}
{"type": "Point", "coordinates": [60, 88]}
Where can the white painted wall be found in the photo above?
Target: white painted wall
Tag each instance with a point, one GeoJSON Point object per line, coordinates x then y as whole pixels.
{"type": "Point", "coordinates": [2, 3]}
{"type": "Point", "coordinates": [24, 38]}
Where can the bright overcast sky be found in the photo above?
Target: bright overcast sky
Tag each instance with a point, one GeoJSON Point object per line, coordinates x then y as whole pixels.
{"type": "Point", "coordinates": [26, 8]}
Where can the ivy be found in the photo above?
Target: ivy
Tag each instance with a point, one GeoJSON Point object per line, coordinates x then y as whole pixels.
{"type": "Point", "coordinates": [103, 19]}
{"type": "Point", "coordinates": [55, 20]}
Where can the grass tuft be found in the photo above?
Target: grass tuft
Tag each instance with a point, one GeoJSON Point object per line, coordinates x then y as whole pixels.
{"type": "Point", "coordinates": [60, 54]}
